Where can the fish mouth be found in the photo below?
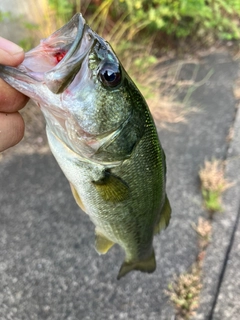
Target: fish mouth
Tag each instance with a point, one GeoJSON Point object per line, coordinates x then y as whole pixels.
{"type": "Point", "coordinates": [58, 78]}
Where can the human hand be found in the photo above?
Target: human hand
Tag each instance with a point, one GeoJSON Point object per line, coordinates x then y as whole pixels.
{"type": "Point", "coordinates": [11, 122]}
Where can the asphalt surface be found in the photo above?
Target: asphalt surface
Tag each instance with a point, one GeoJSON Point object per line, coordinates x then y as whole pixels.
{"type": "Point", "coordinates": [48, 266]}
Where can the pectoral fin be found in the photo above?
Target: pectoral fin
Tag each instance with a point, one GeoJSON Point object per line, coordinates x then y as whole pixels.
{"type": "Point", "coordinates": [102, 244]}
{"type": "Point", "coordinates": [112, 188]}
{"type": "Point", "coordinates": [164, 217]}
{"type": "Point", "coordinates": [148, 265]}
{"type": "Point", "coordinates": [77, 197]}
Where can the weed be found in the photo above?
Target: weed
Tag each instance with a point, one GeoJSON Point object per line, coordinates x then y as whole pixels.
{"type": "Point", "coordinates": [185, 290]}
{"type": "Point", "coordinates": [213, 184]}
{"type": "Point", "coordinates": [203, 229]}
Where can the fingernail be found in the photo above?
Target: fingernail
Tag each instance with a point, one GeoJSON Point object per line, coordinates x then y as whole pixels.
{"type": "Point", "coordinates": [9, 46]}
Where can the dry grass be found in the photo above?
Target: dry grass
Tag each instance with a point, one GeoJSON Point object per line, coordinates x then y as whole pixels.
{"type": "Point", "coordinates": [166, 111]}
{"type": "Point", "coordinates": [165, 105]}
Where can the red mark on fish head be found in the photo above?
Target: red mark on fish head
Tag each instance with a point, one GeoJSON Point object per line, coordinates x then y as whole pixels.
{"type": "Point", "coordinates": [59, 55]}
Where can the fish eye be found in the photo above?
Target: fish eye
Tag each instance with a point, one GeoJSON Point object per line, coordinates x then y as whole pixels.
{"type": "Point", "coordinates": [110, 76]}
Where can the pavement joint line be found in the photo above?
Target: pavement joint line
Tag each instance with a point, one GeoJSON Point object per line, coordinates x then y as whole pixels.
{"type": "Point", "coordinates": [224, 266]}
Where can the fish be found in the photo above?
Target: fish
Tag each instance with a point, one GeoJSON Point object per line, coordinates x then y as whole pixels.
{"type": "Point", "coordinates": [103, 136]}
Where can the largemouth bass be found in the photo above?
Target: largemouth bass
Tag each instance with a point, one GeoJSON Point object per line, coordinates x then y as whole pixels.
{"type": "Point", "coordinates": [102, 135]}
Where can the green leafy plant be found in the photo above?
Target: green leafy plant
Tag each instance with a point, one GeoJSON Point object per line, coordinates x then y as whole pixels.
{"type": "Point", "coordinates": [182, 18]}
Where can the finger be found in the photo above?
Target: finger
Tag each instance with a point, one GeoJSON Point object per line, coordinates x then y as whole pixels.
{"type": "Point", "coordinates": [11, 129]}
{"type": "Point", "coordinates": [10, 99]}
{"type": "Point", "coordinates": [10, 53]}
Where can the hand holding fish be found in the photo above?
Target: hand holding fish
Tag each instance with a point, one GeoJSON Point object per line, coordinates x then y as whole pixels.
{"type": "Point", "coordinates": [11, 122]}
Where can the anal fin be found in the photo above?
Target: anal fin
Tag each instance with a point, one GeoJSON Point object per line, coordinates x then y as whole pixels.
{"type": "Point", "coordinates": [147, 265]}
{"type": "Point", "coordinates": [102, 243]}
{"type": "Point", "coordinates": [165, 216]}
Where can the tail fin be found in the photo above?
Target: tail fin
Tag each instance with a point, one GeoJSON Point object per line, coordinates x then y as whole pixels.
{"type": "Point", "coordinates": [148, 265]}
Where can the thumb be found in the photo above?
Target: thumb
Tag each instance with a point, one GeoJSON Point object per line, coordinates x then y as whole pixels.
{"type": "Point", "coordinates": [10, 53]}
